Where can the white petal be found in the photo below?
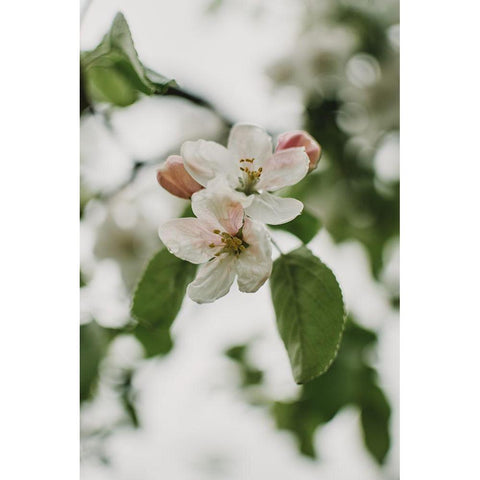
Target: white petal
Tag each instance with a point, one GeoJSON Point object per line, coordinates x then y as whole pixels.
{"type": "Point", "coordinates": [205, 160]}
{"type": "Point", "coordinates": [268, 208]}
{"type": "Point", "coordinates": [220, 206]}
{"type": "Point", "coordinates": [286, 167]}
{"type": "Point", "coordinates": [188, 238]}
{"type": "Point", "coordinates": [213, 279]}
{"type": "Point", "coordinates": [255, 263]}
{"type": "Point", "coordinates": [250, 141]}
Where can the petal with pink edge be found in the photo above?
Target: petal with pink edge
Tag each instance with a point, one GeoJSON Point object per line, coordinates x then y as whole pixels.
{"type": "Point", "coordinates": [220, 206]}
{"type": "Point", "coordinates": [188, 239]}
{"type": "Point", "coordinates": [284, 168]}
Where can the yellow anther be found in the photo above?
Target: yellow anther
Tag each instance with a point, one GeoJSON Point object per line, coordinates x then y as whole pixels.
{"type": "Point", "coordinates": [232, 244]}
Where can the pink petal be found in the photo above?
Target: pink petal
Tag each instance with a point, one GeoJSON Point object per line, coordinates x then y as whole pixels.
{"type": "Point", "coordinates": [173, 177]}
{"type": "Point", "coordinates": [299, 138]}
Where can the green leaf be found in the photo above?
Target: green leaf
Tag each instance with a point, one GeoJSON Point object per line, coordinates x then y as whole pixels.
{"type": "Point", "coordinates": [310, 312]}
{"type": "Point", "coordinates": [160, 292]}
{"type": "Point", "coordinates": [113, 73]}
{"type": "Point", "coordinates": [155, 341]}
{"type": "Point", "coordinates": [304, 227]}
{"type": "Point", "coordinates": [94, 341]}
{"type": "Point", "coordinates": [375, 417]}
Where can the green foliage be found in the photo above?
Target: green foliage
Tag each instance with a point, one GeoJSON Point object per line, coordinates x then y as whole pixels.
{"type": "Point", "coordinates": [310, 313]}
{"type": "Point", "coordinates": [160, 292]}
{"type": "Point", "coordinates": [250, 374]}
{"type": "Point", "coordinates": [350, 381]}
{"type": "Point", "coordinates": [375, 416]}
{"type": "Point", "coordinates": [155, 341]}
{"type": "Point", "coordinates": [94, 342]}
{"type": "Point", "coordinates": [305, 226]}
{"type": "Point", "coordinates": [113, 73]}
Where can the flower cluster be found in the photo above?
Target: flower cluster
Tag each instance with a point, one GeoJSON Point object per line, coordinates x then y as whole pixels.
{"type": "Point", "coordinates": [231, 192]}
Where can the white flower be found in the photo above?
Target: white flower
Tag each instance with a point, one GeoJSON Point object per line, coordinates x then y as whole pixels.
{"type": "Point", "coordinates": [250, 167]}
{"type": "Point", "coordinates": [224, 240]}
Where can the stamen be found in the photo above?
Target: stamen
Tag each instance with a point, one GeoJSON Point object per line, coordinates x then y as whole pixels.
{"type": "Point", "coordinates": [232, 244]}
{"type": "Point", "coordinates": [250, 176]}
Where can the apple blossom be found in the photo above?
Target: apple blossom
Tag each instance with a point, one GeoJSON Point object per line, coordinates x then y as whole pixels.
{"type": "Point", "coordinates": [250, 166]}
{"type": "Point", "coordinates": [173, 177]}
{"type": "Point", "coordinates": [223, 240]}
{"type": "Point", "coordinates": [299, 138]}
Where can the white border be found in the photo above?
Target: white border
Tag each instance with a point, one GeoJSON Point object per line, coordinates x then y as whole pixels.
{"type": "Point", "coordinates": [39, 241]}
{"type": "Point", "coordinates": [439, 239]}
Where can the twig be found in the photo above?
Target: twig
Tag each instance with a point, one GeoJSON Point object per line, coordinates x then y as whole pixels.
{"type": "Point", "coordinates": [275, 244]}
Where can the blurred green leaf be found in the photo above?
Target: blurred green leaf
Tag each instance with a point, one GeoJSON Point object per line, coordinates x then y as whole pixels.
{"type": "Point", "coordinates": [350, 381]}
{"type": "Point", "coordinates": [159, 294]}
{"type": "Point", "coordinates": [310, 313]}
{"type": "Point", "coordinates": [94, 342]}
{"type": "Point", "coordinates": [113, 73]}
{"type": "Point", "coordinates": [375, 417]}
{"type": "Point", "coordinates": [155, 341]}
{"type": "Point", "coordinates": [250, 374]}
{"type": "Point", "coordinates": [304, 227]}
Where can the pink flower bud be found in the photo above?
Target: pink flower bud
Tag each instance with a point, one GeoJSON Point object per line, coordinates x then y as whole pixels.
{"type": "Point", "coordinates": [173, 177]}
{"type": "Point", "coordinates": [298, 138]}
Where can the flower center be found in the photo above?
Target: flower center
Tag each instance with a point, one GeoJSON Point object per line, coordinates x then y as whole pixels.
{"type": "Point", "coordinates": [230, 244]}
{"type": "Point", "coordinates": [249, 176]}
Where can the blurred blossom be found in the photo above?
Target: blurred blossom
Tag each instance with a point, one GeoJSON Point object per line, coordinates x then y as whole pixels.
{"type": "Point", "coordinates": [298, 138]}
{"type": "Point", "coordinates": [104, 163]}
{"type": "Point", "coordinates": [105, 298]}
{"type": "Point", "coordinates": [391, 271]}
{"type": "Point", "coordinates": [353, 118]}
{"type": "Point", "coordinates": [387, 158]}
{"type": "Point", "coordinates": [173, 177]}
{"type": "Point", "coordinates": [394, 36]}
{"type": "Point", "coordinates": [318, 60]}
{"type": "Point", "coordinates": [363, 70]}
